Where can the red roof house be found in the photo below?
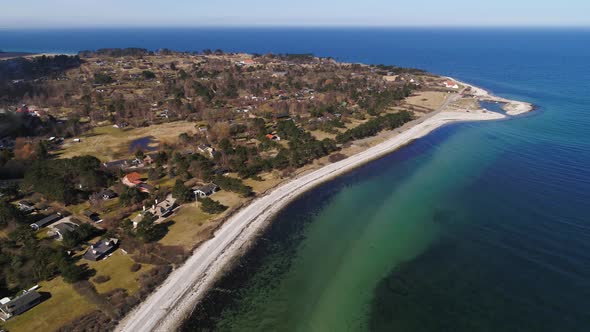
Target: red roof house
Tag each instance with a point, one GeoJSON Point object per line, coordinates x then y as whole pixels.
{"type": "Point", "coordinates": [132, 179]}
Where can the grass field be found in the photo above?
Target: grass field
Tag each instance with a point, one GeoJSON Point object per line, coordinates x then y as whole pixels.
{"type": "Point", "coordinates": [188, 228]}
{"type": "Point", "coordinates": [108, 143]}
{"type": "Point", "coordinates": [118, 268]}
{"type": "Point", "coordinates": [64, 305]}
{"type": "Point", "coordinates": [428, 99]}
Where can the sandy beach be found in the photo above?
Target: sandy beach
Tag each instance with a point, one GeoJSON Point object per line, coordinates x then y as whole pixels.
{"type": "Point", "coordinates": [173, 301]}
{"type": "Point", "coordinates": [512, 107]}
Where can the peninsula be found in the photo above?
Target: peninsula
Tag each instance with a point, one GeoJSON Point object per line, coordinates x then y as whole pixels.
{"type": "Point", "coordinates": [145, 174]}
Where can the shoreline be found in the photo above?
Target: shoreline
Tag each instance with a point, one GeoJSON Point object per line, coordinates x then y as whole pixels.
{"type": "Point", "coordinates": [173, 301]}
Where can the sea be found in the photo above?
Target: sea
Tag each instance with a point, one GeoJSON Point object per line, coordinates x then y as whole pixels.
{"type": "Point", "coordinates": [479, 226]}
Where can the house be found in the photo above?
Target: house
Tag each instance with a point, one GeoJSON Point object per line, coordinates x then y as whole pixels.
{"type": "Point", "coordinates": [95, 217]}
{"type": "Point", "coordinates": [149, 159]}
{"type": "Point", "coordinates": [205, 191]}
{"type": "Point", "coordinates": [26, 206]}
{"type": "Point", "coordinates": [145, 188]}
{"type": "Point", "coordinates": [132, 179]}
{"type": "Point", "coordinates": [273, 137]}
{"type": "Point", "coordinates": [19, 304]}
{"type": "Point", "coordinates": [101, 249]}
{"type": "Point", "coordinates": [105, 194]}
{"type": "Point", "coordinates": [159, 210]}
{"type": "Point", "coordinates": [117, 164]}
{"type": "Point", "coordinates": [206, 149]}
{"type": "Point", "coordinates": [61, 229]}
{"type": "Point", "coordinates": [46, 221]}
{"type": "Point", "coordinates": [451, 85]}
{"type": "Point", "coordinates": [163, 209]}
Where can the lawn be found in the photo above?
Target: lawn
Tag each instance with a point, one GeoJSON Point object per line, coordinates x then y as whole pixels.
{"type": "Point", "coordinates": [189, 227]}
{"type": "Point", "coordinates": [228, 198]}
{"type": "Point", "coordinates": [270, 181]}
{"type": "Point", "coordinates": [118, 268]}
{"type": "Point", "coordinates": [428, 99]}
{"type": "Point", "coordinates": [64, 306]}
{"type": "Point", "coordinates": [108, 143]}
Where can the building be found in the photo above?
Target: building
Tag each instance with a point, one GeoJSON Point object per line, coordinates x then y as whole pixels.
{"type": "Point", "coordinates": [273, 137]}
{"type": "Point", "coordinates": [101, 249]}
{"type": "Point", "coordinates": [205, 191]}
{"type": "Point", "coordinates": [451, 85]}
{"type": "Point", "coordinates": [117, 164]}
{"type": "Point", "coordinates": [95, 217]}
{"type": "Point", "coordinates": [206, 149]}
{"type": "Point", "coordinates": [104, 194]}
{"type": "Point", "coordinates": [46, 221]}
{"type": "Point", "coordinates": [63, 228]}
{"type": "Point", "coordinates": [163, 209]}
{"type": "Point", "coordinates": [19, 304]}
{"type": "Point", "coordinates": [132, 179]}
{"type": "Point", "coordinates": [26, 207]}
{"type": "Point", "coordinates": [160, 210]}
{"type": "Point", "coordinates": [145, 188]}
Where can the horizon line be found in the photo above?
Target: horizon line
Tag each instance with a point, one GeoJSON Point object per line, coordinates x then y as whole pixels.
{"type": "Point", "coordinates": [287, 26]}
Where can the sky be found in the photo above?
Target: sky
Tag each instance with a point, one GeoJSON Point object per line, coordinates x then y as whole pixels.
{"type": "Point", "coordinates": [174, 13]}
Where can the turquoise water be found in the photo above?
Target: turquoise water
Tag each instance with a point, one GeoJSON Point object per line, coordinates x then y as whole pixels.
{"type": "Point", "coordinates": [476, 227]}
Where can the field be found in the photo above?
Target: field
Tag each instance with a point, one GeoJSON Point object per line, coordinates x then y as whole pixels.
{"type": "Point", "coordinates": [109, 143]}
{"type": "Point", "coordinates": [118, 268]}
{"type": "Point", "coordinates": [64, 305]}
{"type": "Point", "coordinates": [189, 227]}
{"type": "Point", "coordinates": [428, 99]}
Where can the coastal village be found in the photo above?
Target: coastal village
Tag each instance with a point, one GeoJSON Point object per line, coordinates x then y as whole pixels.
{"type": "Point", "coordinates": [116, 164]}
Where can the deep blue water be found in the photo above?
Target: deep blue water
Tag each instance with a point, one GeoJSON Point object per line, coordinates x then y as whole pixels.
{"type": "Point", "coordinates": [513, 249]}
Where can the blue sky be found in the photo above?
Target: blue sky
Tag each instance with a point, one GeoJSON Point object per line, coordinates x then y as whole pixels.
{"type": "Point", "coordinates": [77, 13]}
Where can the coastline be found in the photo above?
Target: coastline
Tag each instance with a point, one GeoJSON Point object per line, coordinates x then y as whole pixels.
{"type": "Point", "coordinates": [168, 306]}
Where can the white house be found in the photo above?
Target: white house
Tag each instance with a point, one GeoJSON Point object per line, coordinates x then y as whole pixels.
{"type": "Point", "coordinates": [451, 85]}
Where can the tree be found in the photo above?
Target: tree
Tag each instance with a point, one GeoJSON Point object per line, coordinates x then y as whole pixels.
{"type": "Point", "coordinates": [8, 214]}
{"type": "Point", "coordinates": [72, 273]}
{"type": "Point", "coordinates": [130, 196]}
{"type": "Point", "coordinates": [102, 79]}
{"type": "Point", "coordinates": [154, 174]}
{"type": "Point", "coordinates": [211, 206]}
{"type": "Point", "coordinates": [147, 230]}
{"type": "Point", "coordinates": [148, 75]}
{"type": "Point", "coordinates": [181, 192]}
{"type": "Point", "coordinates": [81, 233]}
{"type": "Point", "coordinates": [61, 179]}
{"type": "Point", "coordinates": [139, 154]}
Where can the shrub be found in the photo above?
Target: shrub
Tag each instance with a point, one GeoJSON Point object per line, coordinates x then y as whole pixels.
{"type": "Point", "coordinates": [101, 279]}
{"type": "Point", "coordinates": [211, 206]}
{"type": "Point", "coordinates": [135, 267]}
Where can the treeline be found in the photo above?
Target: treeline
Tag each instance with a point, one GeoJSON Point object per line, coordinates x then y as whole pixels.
{"type": "Point", "coordinates": [303, 147]}
{"type": "Point", "coordinates": [27, 69]}
{"type": "Point", "coordinates": [25, 260]}
{"type": "Point", "coordinates": [65, 180]}
{"type": "Point", "coordinates": [380, 101]}
{"type": "Point", "coordinates": [375, 125]}
{"type": "Point", "coordinates": [400, 70]}
{"type": "Point", "coordinates": [115, 52]}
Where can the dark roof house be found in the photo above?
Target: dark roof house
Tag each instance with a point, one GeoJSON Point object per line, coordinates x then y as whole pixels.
{"type": "Point", "coordinates": [107, 194]}
{"type": "Point", "coordinates": [63, 228]}
{"type": "Point", "coordinates": [19, 304]}
{"type": "Point", "coordinates": [101, 249]}
{"type": "Point", "coordinates": [26, 206]}
{"type": "Point", "coordinates": [46, 221]}
{"type": "Point", "coordinates": [206, 190]}
{"type": "Point", "coordinates": [95, 217]}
